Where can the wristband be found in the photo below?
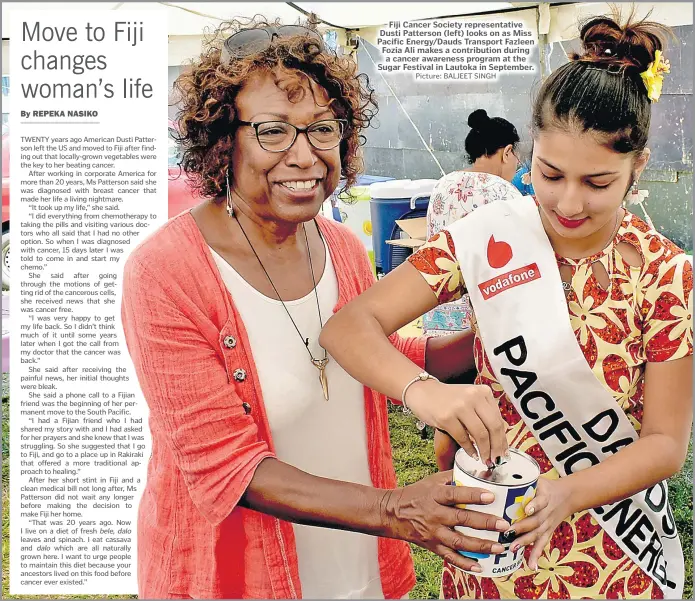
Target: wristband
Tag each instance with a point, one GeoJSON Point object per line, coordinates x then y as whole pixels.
{"type": "Point", "coordinates": [421, 377]}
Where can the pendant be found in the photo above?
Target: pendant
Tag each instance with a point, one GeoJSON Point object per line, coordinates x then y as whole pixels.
{"type": "Point", "coordinates": [320, 364]}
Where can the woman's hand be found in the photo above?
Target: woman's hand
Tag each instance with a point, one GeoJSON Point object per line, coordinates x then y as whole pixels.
{"type": "Point", "coordinates": [467, 412]}
{"type": "Point", "coordinates": [545, 512]}
{"type": "Point", "coordinates": [426, 512]}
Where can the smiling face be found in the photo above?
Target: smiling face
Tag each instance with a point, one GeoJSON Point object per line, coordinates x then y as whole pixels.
{"type": "Point", "coordinates": [287, 186]}
{"type": "Point", "coordinates": [580, 183]}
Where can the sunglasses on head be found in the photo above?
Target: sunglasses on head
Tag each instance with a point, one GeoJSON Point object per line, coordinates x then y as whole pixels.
{"type": "Point", "coordinates": [250, 41]}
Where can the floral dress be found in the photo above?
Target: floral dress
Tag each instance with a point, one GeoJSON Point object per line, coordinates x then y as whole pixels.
{"type": "Point", "coordinates": [645, 315]}
{"type": "Point", "coordinates": [454, 196]}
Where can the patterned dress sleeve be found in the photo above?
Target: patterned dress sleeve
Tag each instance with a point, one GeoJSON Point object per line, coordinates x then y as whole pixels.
{"type": "Point", "coordinates": [459, 193]}
{"type": "Point", "coordinates": [437, 264]}
{"type": "Point", "coordinates": [667, 309]}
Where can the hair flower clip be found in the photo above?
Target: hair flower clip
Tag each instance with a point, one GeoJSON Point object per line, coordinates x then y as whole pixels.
{"type": "Point", "coordinates": [653, 77]}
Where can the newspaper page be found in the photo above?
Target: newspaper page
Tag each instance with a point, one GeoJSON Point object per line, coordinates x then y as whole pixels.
{"type": "Point", "coordinates": [91, 161]}
{"type": "Point", "coordinates": [88, 145]}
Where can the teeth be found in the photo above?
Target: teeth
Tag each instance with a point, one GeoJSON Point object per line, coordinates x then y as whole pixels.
{"type": "Point", "coordinates": [305, 185]}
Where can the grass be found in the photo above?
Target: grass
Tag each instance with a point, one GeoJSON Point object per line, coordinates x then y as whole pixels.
{"type": "Point", "coordinates": [414, 459]}
{"type": "Point", "coordinates": [681, 498]}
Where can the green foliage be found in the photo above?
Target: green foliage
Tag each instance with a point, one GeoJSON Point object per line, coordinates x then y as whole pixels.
{"type": "Point", "coordinates": [414, 460]}
{"type": "Point", "coordinates": [681, 498]}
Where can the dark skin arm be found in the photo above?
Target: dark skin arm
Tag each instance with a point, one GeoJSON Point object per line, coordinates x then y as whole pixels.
{"type": "Point", "coordinates": [450, 356]}
{"type": "Point", "coordinates": [423, 513]}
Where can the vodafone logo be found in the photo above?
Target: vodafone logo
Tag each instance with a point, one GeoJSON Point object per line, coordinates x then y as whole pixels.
{"type": "Point", "coordinates": [509, 280]}
{"type": "Point", "coordinates": [498, 253]}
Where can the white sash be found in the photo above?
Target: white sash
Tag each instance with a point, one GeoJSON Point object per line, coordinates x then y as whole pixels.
{"type": "Point", "coordinates": [522, 317]}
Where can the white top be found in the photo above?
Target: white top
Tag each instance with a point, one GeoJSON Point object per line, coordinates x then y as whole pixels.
{"type": "Point", "coordinates": [402, 188]}
{"type": "Point", "coordinates": [327, 439]}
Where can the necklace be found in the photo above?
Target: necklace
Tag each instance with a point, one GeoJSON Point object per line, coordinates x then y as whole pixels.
{"type": "Point", "coordinates": [319, 364]}
{"type": "Point", "coordinates": [567, 286]}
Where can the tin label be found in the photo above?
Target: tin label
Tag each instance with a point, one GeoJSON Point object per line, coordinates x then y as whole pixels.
{"type": "Point", "coordinates": [510, 504]}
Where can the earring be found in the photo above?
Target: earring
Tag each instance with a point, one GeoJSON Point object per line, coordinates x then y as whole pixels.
{"type": "Point", "coordinates": [230, 206]}
{"type": "Point", "coordinates": [635, 196]}
{"type": "Point", "coordinates": [629, 195]}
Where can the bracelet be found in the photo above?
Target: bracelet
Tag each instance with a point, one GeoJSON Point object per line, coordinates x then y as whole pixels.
{"type": "Point", "coordinates": [421, 377]}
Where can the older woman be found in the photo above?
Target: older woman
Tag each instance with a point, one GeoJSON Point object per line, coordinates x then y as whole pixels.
{"type": "Point", "coordinates": [222, 309]}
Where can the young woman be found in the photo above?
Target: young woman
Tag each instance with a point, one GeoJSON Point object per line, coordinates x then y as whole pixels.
{"type": "Point", "coordinates": [583, 332]}
{"type": "Point", "coordinates": [491, 147]}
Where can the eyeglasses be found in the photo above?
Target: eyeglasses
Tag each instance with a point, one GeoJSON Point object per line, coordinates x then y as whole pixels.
{"type": "Point", "coordinates": [278, 136]}
{"type": "Point", "coordinates": [251, 41]}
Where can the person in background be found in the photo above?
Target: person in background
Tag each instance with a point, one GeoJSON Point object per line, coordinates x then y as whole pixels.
{"type": "Point", "coordinates": [271, 473]}
{"type": "Point", "coordinates": [584, 333]}
{"type": "Point", "coordinates": [491, 147]}
{"type": "Point", "coordinates": [522, 180]}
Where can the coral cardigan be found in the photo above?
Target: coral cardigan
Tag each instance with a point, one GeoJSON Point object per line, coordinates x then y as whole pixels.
{"type": "Point", "coordinates": [209, 427]}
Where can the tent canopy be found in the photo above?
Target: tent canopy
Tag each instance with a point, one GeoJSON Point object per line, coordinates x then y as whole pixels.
{"type": "Point", "coordinates": [189, 20]}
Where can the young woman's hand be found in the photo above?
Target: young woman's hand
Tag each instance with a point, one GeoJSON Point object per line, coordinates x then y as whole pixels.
{"type": "Point", "coordinates": [550, 506]}
{"type": "Point", "coordinates": [469, 413]}
{"type": "Point", "coordinates": [426, 512]}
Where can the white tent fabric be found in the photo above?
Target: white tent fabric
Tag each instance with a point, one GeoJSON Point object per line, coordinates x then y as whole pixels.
{"type": "Point", "coordinates": [370, 14]}
{"type": "Point", "coordinates": [189, 20]}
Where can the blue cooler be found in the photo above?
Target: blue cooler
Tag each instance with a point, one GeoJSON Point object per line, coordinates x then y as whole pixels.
{"type": "Point", "coordinates": [395, 200]}
{"type": "Point", "coordinates": [330, 210]}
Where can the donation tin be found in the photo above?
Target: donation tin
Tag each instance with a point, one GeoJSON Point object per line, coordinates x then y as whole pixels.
{"type": "Point", "coordinates": [514, 485]}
